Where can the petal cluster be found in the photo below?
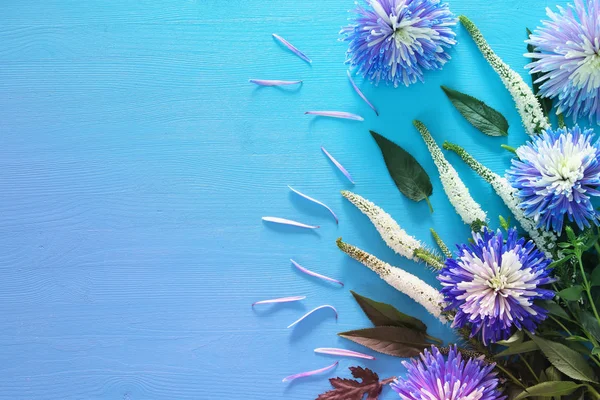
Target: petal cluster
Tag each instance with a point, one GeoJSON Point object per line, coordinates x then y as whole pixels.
{"type": "Point", "coordinates": [434, 376]}
{"type": "Point", "coordinates": [492, 285]}
{"type": "Point", "coordinates": [396, 40]}
{"type": "Point", "coordinates": [568, 57]}
{"type": "Point", "coordinates": [555, 175]}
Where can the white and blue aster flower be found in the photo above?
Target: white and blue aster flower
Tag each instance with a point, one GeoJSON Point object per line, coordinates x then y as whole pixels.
{"type": "Point", "coordinates": [555, 175]}
{"type": "Point", "coordinates": [568, 57]}
{"type": "Point", "coordinates": [492, 285]}
{"type": "Point", "coordinates": [396, 40]}
{"type": "Point", "coordinates": [434, 376]}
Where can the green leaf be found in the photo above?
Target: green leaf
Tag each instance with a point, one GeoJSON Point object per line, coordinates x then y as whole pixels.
{"type": "Point", "coordinates": [516, 337]}
{"type": "Point", "coordinates": [560, 262]}
{"type": "Point", "coordinates": [545, 102]}
{"type": "Point", "coordinates": [572, 293]}
{"type": "Point", "coordinates": [566, 360]}
{"type": "Point", "coordinates": [518, 348]}
{"type": "Point", "coordinates": [590, 324]}
{"type": "Point", "coordinates": [596, 351]}
{"type": "Point", "coordinates": [409, 176]}
{"type": "Point", "coordinates": [381, 314]}
{"type": "Point", "coordinates": [480, 115]}
{"type": "Point", "coordinates": [390, 340]}
{"type": "Point", "coordinates": [504, 223]}
{"type": "Point", "coordinates": [576, 338]}
{"type": "Point", "coordinates": [595, 280]}
{"type": "Point", "coordinates": [553, 374]}
{"type": "Point", "coordinates": [554, 309]}
{"type": "Point", "coordinates": [551, 388]}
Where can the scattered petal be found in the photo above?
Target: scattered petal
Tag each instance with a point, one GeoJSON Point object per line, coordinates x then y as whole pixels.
{"type": "Point", "coordinates": [315, 201]}
{"type": "Point", "coordinates": [267, 82]}
{"type": "Point", "coordinates": [360, 93]}
{"type": "Point", "coordinates": [283, 221]}
{"type": "Point", "coordinates": [336, 114]}
{"type": "Point", "coordinates": [311, 273]}
{"type": "Point", "coordinates": [343, 353]}
{"type": "Point", "coordinates": [312, 311]}
{"type": "Point", "coordinates": [338, 165]}
{"type": "Point", "coordinates": [309, 373]}
{"type": "Point", "coordinates": [280, 300]}
{"type": "Point", "coordinates": [292, 48]}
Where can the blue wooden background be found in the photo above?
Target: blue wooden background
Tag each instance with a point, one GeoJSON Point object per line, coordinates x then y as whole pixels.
{"type": "Point", "coordinates": [136, 162]}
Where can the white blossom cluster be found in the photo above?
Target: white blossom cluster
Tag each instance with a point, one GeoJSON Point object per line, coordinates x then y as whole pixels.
{"type": "Point", "coordinates": [407, 283]}
{"type": "Point", "coordinates": [391, 233]}
{"type": "Point", "coordinates": [458, 193]}
{"type": "Point", "coordinates": [545, 241]}
{"type": "Point", "coordinates": [528, 106]}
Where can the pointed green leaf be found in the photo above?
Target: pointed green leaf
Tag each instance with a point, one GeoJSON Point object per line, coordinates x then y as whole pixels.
{"type": "Point", "coordinates": [479, 114]}
{"type": "Point", "coordinates": [572, 293]}
{"type": "Point", "coordinates": [382, 314]}
{"type": "Point", "coordinates": [390, 340]}
{"type": "Point", "coordinates": [554, 309]}
{"type": "Point", "coordinates": [409, 176]}
{"type": "Point", "coordinates": [547, 389]}
{"type": "Point", "coordinates": [566, 360]}
{"type": "Point", "coordinates": [590, 324]}
{"type": "Point", "coordinates": [518, 348]}
{"type": "Point", "coordinates": [516, 337]}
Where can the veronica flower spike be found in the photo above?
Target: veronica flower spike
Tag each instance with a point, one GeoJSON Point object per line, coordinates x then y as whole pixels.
{"type": "Point", "coordinates": [568, 58]}
{"type": "Point", "coordinates": [545, 240]}
{"type": "Point", "coordinates": [404, 282]}
{"type": "Point", "coordinates": [528, 106]}
{"type": "Point", "coordinates": [395, 41]}
{"type": "Point", "coordinates": [391, 233]}
{"type": "Point", "coordinates": [492, 285]}
{"type": "Point", "coordinates": [458, 193]}
{"type": "Point", "coordinates": [433, 376]}
{"type": "Point", "coordinates": [555, 176]}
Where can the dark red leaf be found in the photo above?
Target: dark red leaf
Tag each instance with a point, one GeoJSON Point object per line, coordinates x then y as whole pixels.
{"type": "Point", "coordinates": [350, 389]}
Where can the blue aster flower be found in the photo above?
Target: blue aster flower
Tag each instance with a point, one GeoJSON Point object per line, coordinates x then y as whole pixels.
{"type": "Point", "coordinates": [492, 285]}
{"type": "Point", "coordinates": [555, 175]}
{"type": "Point", "coordinates": [569, 58]}
{"type": "Point", "coordinates": [435, 377]}
{"type": "Point", "coordinates": [396, 40]}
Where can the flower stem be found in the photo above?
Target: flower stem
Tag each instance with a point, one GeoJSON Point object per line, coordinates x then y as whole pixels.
{"type": "Point", "coordinates": [529, 368]}
{"type": "Point", "coordinates": [429, 258]}
{"type": "Point", "coordinates": [586, 284]}
{"type": "Point", "coordinates": [509, 148]}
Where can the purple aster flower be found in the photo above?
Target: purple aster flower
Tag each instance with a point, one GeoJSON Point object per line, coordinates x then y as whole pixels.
{"type": "Point", "coordinates": [395, 40]}
{"type": "Point", "coordinates": [569, 58]}
{"type": "Point", "coordinates": [435, 377]}
{"type": "Point", "coordinates": [555, 175]}
{"type": "Point", "coordinates": [492, 285]}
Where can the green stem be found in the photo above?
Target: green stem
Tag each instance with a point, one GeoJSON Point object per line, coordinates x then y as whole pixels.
{"type": "Point", "coordinates": [529, 368]}
{"type": "Point", "coordinates": [597, 247]}
{"type": "Point", "coordinates": [429, 204]}
{"type": "Point", "coordinates": [561, 325]}
{"type": "Point", "coordinates": [593, 392]}
{"type": "Point", "coordinates": [561, 121]}
{"type": "Point", "coordinates": [509, 148]}
{"type": "Point", "coordinates": [511, 376]}
{"type": "Point", "coordinates": [429, 258]}
{"type": "Point", "coordinates": [587, 285]}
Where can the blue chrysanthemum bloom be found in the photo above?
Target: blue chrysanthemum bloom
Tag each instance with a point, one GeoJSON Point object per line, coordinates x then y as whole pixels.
{"type": "Point", "coordinates": [555, 175]}
{"type": "Point", "coordinates": [492, 285]}
{"type": "Point", "coordinates": [568, 56]}
{"type": "Point", "coordinates": [396, 40]}
{"type": "Point", "coordinates": [434, 376]}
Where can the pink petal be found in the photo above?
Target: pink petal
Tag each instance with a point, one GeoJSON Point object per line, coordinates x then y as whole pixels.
{"type": "Point", "coordinates": [292, 48]}
{"type": "Point", "coordinates": [267, 82]}
{"type": "Point", "coordinates": [338, 165]}
{"type": "Point", "coordinates": [343, 353]}
{"type": "Point", "coordinates": [360, 93]}
{"type": "Point", "coordinates": [280, 300]}
{"type": "Point", "coordinates": [336, 114]}
{"type": "Point", "coordinates": [309, 373]}
{"type": "Point", "coordinates": [312, 311]}
{"type": "Point", "coordinates": [311, 273]}
{"type": "Point", "coordinates": [283, 221]}
{"type": "Point", "coordinates": [314, 201]}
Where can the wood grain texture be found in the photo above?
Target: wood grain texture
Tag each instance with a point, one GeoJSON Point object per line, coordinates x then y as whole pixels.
{"type": "Point", "coordinates": [136, 162]}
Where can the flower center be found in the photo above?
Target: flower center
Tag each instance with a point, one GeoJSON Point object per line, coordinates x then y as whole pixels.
{"type": "Point", "coordinates": [403, 36]}
{"type": "Point", "coordinates": [587, 73]}
{"type": "Point", "coordinates": [498, 282]}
